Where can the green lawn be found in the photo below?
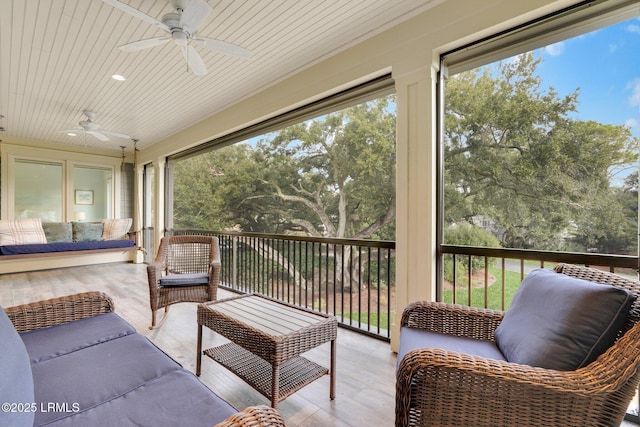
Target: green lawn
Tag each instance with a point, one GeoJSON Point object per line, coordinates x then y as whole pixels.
{"type": "Point", "coordinates": [373, 319]}
{"type": "Point", "coordinates": [493, 292]}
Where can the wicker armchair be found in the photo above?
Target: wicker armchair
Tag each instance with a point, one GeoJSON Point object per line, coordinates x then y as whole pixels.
{"type": "Point", "coordinates": [441, 388]}
{"type": "Point", "coordinates": [183, 257]}
{"type": "Point", "coordinates": [254, 416]}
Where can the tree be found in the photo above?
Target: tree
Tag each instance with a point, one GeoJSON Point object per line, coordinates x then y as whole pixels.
{"type": "Point", "coordinates": [514, 153]}
{"type": "Point", "coordinates": [336, 175]}
{"type": "Point", "coordinates": [209, 190]}
{"type": "Point", "coordinates": [333, 176]}
{"type": "Point", "coordinates": [468, 235]}
{"type": "Point", "coordinates": [609, 224]}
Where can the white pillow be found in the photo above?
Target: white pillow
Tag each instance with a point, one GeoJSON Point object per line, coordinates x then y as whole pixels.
{"type": "Point", "coordinates": [116, 229]}
{"type": "Point", "coordinates": [21, 231]}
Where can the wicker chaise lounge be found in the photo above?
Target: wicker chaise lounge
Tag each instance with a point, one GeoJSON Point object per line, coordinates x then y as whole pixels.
{"type": "Point", "coordinates": [76, 363]}
{"type": "Point", "coordinates": [437, 387]}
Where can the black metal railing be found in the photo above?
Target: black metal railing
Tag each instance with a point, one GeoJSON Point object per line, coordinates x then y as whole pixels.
{"type": "Point", "coordinates": [488, 277]}
{"type": "Point", "coordinates": [355, 279]}
{"type": "Point", "coordinates": [351, 279]}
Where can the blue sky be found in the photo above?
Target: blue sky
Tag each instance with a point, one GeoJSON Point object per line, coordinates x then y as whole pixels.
{"type": "Point", "coordinates": [605, 65]}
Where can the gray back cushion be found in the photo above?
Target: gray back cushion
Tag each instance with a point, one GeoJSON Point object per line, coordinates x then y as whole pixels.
{"type": "Point", "coordinates": [87, 231]}
{"type": "Point", "coordinates": [57, 231]}
{"type": "Point", "coordinates": [16, 384]}
{"type": "Point", "coordinates": [559, 322]}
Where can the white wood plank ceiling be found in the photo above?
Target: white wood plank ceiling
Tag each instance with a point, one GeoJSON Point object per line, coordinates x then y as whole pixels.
{"type": "Point", "coordinates": [57, 58]}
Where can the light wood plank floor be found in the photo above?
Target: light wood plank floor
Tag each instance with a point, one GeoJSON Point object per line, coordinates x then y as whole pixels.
{"type": "Point", "coordinates": [365, 367]}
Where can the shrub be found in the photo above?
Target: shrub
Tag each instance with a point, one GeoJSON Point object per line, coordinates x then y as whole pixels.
{"type": "Point", "coordinates": [468, 235]}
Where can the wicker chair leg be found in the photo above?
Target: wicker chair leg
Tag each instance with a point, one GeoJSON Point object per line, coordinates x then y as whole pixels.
{"type": "Point", "coordinates": [153, 319]}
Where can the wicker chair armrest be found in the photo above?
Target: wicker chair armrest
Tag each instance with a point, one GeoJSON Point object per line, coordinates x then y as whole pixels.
{"type": "Point", "coordinates": [607, 373]}
{"type": "Point", "coordinates": [452, 319]}
{"type": "Point", "coordinates": [154, 273]}
{"type": "Point", "coordinates": [437, 363]}
{"type": "Point", "coordinates": [45, 313]}
{"type": "Point", "coordinates": [429, 380]}
{"type": "Point", "coordinates": [215, 265]}
{"type": "Point", "coordinates": [215, 268]}
{"type": "Point", "coordinates": [254, 416]}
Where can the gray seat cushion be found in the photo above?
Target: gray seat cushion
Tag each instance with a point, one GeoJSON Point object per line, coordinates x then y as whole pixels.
{"type": "Point", "coordinates": [412, 339]}
{"type": "Point", "coordinates": [559, 322]}
{"type": "Point", "coordinates": [16, 384]}
{"type": "Point", "coordinates": [177, 398]}
{"type": "Point", "coordinates": [106, 374]}
{"type": "Point", "coordinates": [48, 343]}
{"type": "Point", "coordinates": [187, 279]}
{"type": "Point", "coordinates": [97, 374]}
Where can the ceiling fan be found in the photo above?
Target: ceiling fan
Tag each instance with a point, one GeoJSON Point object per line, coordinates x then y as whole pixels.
{"type": "Point", "coordinates": [88, 126]}
{"type": "Point", "coordinates": [181, 27]}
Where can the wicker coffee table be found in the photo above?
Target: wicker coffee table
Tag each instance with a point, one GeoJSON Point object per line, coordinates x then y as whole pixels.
{"type": "Point", "coordinates": [267, 337]}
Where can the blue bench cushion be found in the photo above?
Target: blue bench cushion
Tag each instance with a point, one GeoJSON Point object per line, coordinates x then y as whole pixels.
{"type": "Point", "coordinates": [177, 398]}
{"type": "Point", "coordinates": [55, 341]}
{"type": "Point", "coordinates": [560, 322]}
{"type": "Point", "coordinates": [413, 338]}
{"type": "Point", "coordinates": [16, 383]}
{"type": "Point", "coordinates": [190, 279]}
{"type": "Point", "coordinates": [104, 373]}
{"type": "Point", "coordinates": [97, 374]}
{"type": "Point", "coordinates": [64, 247]}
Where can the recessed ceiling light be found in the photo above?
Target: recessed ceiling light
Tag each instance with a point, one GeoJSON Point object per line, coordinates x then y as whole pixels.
{"type": "Point", "coordinates": [118, 77]}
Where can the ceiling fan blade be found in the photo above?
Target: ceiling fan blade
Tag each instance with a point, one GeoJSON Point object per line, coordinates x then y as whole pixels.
{"type": "Point", "coordinates": [194, 61]}
{"type": "Point", "coordinates": [224, 47]}
{"type": "Point", "coordinates": [193, 15]}
{"type": "Point", "coordinates": [116, 134]}
{"type": "Point", "coordinates": [143, 44]}
{"type": "Point", "coordinates": [136, 13]}
{"type": "Point", "coordinates": [98, 135]}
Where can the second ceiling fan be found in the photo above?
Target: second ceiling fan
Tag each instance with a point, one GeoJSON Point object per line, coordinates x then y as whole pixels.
{"type": "Point", "coordinates": [181, 27]}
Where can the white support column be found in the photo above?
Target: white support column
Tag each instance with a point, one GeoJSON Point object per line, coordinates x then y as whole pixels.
{"type": "Point", "coordinates": [416, 190]}
{"type": "Point", "coordinates": [159, 180]}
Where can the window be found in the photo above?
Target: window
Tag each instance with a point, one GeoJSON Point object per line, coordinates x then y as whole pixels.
{"type": "Point", "coordinates": [97, 184]}
{"type": "Point", "coordinates": [539, 151]}
{"type": "Point", "coordinates": [540, 147]}
{"type": "Point", "coordinates": [59, 186]}
{"type": "Point", "coordinates": [325, 170]}
{"type": "Point", "coordinates": [38, 190]}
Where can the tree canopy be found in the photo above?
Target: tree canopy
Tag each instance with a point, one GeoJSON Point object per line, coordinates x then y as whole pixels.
{"type": "Point", "coordinates": [332, 176]}
{"type": "Point", "coordinates": [516, 154]}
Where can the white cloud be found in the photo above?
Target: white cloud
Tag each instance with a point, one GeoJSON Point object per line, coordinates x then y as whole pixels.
{"type": "Point", "coordinates": [555, 49]}
{"type": "Point", "coordinates": [634, 87]}
{"type": "Point", "coordinates": [632, 124]}
{"type": "Point", "coordinates": [613, 47]}
{"type": "Point", "coordinates": [633, 28]}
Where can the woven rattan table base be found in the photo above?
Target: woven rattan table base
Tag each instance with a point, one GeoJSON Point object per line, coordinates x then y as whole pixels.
{"type": "Point", "coordinates": [267, 339]}
{"type": "Point", "coordinates": [295, 373]}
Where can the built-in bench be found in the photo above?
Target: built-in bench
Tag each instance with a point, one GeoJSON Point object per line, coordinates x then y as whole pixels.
{"type": "Point", "coordinates": [66, 244]}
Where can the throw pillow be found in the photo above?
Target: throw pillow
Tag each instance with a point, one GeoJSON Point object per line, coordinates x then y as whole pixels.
{"type": "Point", "coordinates": [21, 231]}
{"type": "Point", "coordinates": [116, 229]}
{"type": "Point", "coordinates": [57, 231]}
{"type": "Point", "coordinates": [16, 386]}
{"type": "Point", "coordinates": [560, 322]}
{"type": "Point", "coordinates": [87, 231]}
